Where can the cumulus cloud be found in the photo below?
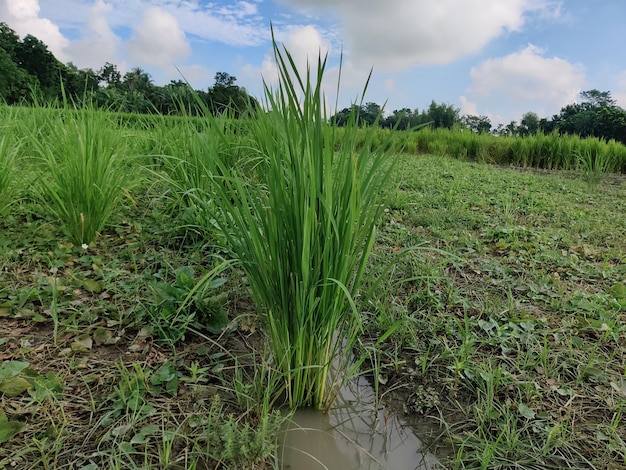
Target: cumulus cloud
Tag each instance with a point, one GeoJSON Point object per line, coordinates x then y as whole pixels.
{"type": "Point", "coordinates": [305, 44]}
{"type": "Point", "coordinates": [468, 107]}
{"type": "Point", "coordinates": [527, 80]}
{"type": "Point", "coordinates": [98, 43]}
{"type": "Point", "coordinates": [158, 39]}
{"type": "Point", "coordinates": [23, 17]}
{"type": "Point", "coordinates": [397, 34]}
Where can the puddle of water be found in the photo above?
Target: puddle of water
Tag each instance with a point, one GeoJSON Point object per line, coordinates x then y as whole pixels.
{"type": "Point", "coordinates": [354, 435]}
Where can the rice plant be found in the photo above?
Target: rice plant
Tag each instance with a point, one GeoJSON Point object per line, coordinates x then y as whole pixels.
{"type": "Point", "coordinates": [552, 151]}
{"type": "Point", "coordinates": [86, 172]}
{"type": "Point", "coordinates": [186, 167]}
{"type": "Point", "coordinates": [594, 161]}
{"type": "Point", "coordinates": [7, 174]}
{"type": "Point", "coordinates": [303, 229]}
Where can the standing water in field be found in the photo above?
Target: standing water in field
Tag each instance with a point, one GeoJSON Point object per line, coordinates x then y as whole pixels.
{"type": "Point", "coordinates": [354, 435]}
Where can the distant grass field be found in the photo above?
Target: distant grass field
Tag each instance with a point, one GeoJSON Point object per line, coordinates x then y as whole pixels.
{"type": "Point", "coordinates": [504, 289]}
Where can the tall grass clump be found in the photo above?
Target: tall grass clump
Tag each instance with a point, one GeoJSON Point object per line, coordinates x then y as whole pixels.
{"type": "Point", "coordinates": [303, 229]}
{"type": "Point", "coordinates": [86, 171]}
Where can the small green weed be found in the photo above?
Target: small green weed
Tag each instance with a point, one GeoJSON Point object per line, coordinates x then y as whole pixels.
{"type": "Point", "coordinates": [189, 302]}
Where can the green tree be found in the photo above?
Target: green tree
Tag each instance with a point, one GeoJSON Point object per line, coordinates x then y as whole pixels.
{"type": "Point", "coordinates": [79, 84]}
{"type": "Point", "coordinates": [177, 96]}
{"type": "Point", "coordinates": [110, 75]}
{"type": "Point", "coordinates": [225, 95]}
{"type": "Point", "coordinates": [34, 57]}
{"type": "Point", "coordinates": [400, 119]}
{"type": "Point", "coordinates": [442, 115]}
{"type": "Point", "coordinates": [342, 117]}
{"type": "Point", "coordinates": [370, 112]}
{"type": "Point", "coordinates": [597, 99]}
{"type": "Point", "coordinates": [529, 125]}
{"type": "Point", "coordinates": [509, 129]}
{"type": "Point", "coordinates": [139, 91]}
{"type": "Point", "coordinates": [477, 124]}
{"type": "Point", "coordinates": [15, 83]}
{"type": "Point", "coordinates": [9, 41]}
{"type": "Point", "coordinates": [597, 114]}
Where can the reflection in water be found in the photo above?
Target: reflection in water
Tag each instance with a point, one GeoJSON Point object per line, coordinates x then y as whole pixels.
{"type": "Point", "coordinates": [353, 436]}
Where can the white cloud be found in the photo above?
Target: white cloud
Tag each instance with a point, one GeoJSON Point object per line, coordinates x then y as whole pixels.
{"type": "Point", "coordinates": [526, 81]}
{"type": "Point", "coordinates": [467, 107]}
{"type": "Point", "coordinates": [239, 10]}
{"type": "Point", "coordinates": [98, 44]}
{"type": "Point", "coordinates": [23, 17]}
{"type": "Point", "coordinates": [234, 23]}
{"type": "Point", "coordinates": [306, 45]}
{"type": "Point", "coordinates": [397, 34]}
{"type": "Point", "coordinates": [158, 39]}
{"type": "Point", "coordinates": [238, 24]}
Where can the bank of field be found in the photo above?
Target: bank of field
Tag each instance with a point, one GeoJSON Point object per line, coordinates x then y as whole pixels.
{"type": "Point", "coordinates": [129, 339]}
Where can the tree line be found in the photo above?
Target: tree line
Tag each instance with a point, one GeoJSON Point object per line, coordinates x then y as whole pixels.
{"type": "Point", "coordinates": [595, 115]}
{"type": "Point", "coordinates": [30, 73]}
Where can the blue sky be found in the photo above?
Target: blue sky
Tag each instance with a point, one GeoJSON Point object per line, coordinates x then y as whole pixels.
{"type": "Point", "coordinates": [499, 58]}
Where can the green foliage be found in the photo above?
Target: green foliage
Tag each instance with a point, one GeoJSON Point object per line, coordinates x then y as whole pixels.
{"type": "Point", "coordinates": [234, 443]}
{"type": "Point", "coordinates": [596, 115]}
{"type": "Point", "coordinates": [477, 124]}
{"type": "Point", "coordinates": [187, 302]}
{"type": "Point", "coordinates": [15, 83]}
{"type": "Point", "coordinates": [185, 161]}
{"type": "Point", "coordinates": [437, 116]}
{"type": "Point", "coordinates": [8, 428]}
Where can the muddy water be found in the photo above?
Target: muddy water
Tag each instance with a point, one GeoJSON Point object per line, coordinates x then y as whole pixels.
{"type": "Point", "coordinates": [354, 435]}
